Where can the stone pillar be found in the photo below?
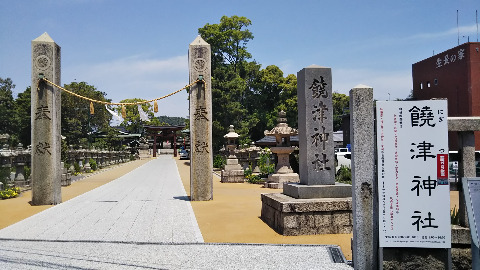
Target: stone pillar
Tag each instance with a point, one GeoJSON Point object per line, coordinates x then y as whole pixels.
{"type": "Point", "coordinates": [45, 109]}
{"type": "Point", "coordinates": [155, 144]}
{"type": "Point", "coordinates": [174, 144]}
{"type": "Point", "coordinates": [364, 197]}
{"type": "Point", "coordinates": [201, 159]}
{"type": "Point", "coordinates": [466, 168]}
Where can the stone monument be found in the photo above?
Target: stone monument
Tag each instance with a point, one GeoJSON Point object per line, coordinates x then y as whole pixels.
{"type": "Point", "coordinates": [201, 158]}
{"type": "Point", "coordinates": [283, 171]}
{"type": "Point", "coordinates": [317, 205]}
{"type": "Point", "coordinates": [233, 172]}
{"type": "Point", "coordinates": [45, 109]}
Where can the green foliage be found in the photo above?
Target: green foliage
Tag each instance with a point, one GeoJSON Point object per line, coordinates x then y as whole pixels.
{"type": "Point", "coordinates": [7, 106]}
{"type": "Point", "coordinates": [454, 217]}
{"type": "Point", "coordinates": [9, 193]}
{"type": "Point", "coordinates": [247, 172]}
{"type": "Point", "coordinates": [344, 175]}
{"type": "Point", "coordinates": [77, 123]}
{"type": "Point", "coordinates": [219, 161]}
{"type": "Point", "coordinates": [4, 175]}
{"type": "Point", "coordinates": [76, 166]}
{"type": "Point", "coordinates": [28, 171]}
{"type": "Point", "coordinates": [22, 118]}
{"type": "Point", "coordinates": [64, 150]}
{"type": "Point", "coordinates": [251, 178]}
{"type": "Point", "coordinates": [109, 141]}
{"type": "Point", "coordinates": [171, 121]}
{"type": "Point", "coordinates": [340, 107]}
{"type": "Point", "coordinates": [265, 164]}
{"type": "Point", "coordinates": [243, 94]}
{"type": "Point", "coordinates": [254, 179]}
{"type": "Point", "coordinates": [228, 40]}
{"type": "Point", "coordinates": [93, 164]}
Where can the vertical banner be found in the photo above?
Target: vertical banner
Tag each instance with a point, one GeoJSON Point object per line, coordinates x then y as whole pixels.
{"type": "Point", "coordinates": [413, 188]}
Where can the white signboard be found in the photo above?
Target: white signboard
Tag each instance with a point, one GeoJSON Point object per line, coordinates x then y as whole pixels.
{"type": "Point", "coordinates": [413, 188]}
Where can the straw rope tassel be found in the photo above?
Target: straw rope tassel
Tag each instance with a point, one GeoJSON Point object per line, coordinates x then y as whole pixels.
{"type": "Point", "coordinates": [124, 112]}
{"type": "Point", "coordinates": [155, 106]}
{"type": "Point", "coordinates": [92, 111]}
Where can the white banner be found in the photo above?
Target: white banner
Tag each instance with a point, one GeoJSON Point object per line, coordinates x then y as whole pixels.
{"type": "Point", "coordinates": [413, 188]}
{"type": "Point", "coordinates": [116, 119]}
{"type": "Point", "coordinates": [143, 115]}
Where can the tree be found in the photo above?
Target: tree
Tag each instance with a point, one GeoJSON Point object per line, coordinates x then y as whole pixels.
{"type": "Point", "coordinates": [340, 107]}
{"type": "Point", "coordinates": [230, 72]}
{"type": "Point", "coordinates": [7, 106]}
{"type": "Point", "coordinates": [243, 94]}
{"type": "Point", "coordinates": [23, 124]}
{"type": "Point", "coordinates": [77, 122]}
{"type": "Point", "coordinates": [228, 40]}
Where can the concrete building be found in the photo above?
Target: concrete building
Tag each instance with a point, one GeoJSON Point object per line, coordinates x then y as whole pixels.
{"type": "Point", "coordinates": [455, 75]}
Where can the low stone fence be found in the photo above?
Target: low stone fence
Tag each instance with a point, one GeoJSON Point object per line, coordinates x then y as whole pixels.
{"type": "Point", "coordinates": [15, 163]}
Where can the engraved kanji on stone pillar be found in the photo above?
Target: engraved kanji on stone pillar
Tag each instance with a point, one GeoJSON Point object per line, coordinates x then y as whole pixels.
{"type": "Point", "coordinates": [315, 126]}
{"type": "Point", "coordinates": [45, 112]}
{"type": "Point", "coordinates": [201, 158]}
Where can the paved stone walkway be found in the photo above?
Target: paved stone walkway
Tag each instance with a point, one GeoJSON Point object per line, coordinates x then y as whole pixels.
{"type": "Point", "coordinates": [142, 220]}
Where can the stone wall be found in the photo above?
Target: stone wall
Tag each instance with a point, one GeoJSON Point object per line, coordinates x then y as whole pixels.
{"type": "Point", "coordinates": [288, 216]}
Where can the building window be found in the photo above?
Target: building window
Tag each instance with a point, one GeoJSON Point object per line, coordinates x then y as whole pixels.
{"type": "Point", "coordinates": [428, 84]}
{"type": "Point", "coordinates": [435, 82]}
{"type": "Point", "coordinates": [421, 86]}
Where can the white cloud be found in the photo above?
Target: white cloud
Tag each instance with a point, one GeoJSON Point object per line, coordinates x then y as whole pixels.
{"type": "Point", "coordinates": [396, 83]}
{"type": "Point", "coordinates": [138, 77]}
{"type": "Point", "coordinates": [463, 30]}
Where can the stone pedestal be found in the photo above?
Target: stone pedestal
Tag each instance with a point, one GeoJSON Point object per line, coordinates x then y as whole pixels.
{"type": "Point", "coordinates": [290, 216]}
{"type": "Point", "coordinates": [143, 151]}
{"type": "Point", "coordinates": [233, 172]}
{"type": "Point", "coordinates": [66, 176]}
{"type": "Point", "coordinates": [283, 171]}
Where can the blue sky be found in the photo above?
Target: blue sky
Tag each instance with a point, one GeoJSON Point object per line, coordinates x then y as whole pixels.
{"type": "Point", "coordinates": [138, 49]}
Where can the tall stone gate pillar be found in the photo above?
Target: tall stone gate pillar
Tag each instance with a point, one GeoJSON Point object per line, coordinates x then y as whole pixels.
{"type": "Point", "coordinates": [45, 112]}
{"type": "Point", "coordinates": [201, 158]}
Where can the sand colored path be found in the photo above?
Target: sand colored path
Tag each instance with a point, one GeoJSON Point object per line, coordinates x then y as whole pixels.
{"type": "Point", "coordinates": [233, 216]}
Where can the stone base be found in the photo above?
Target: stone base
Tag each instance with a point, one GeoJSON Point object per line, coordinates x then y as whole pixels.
{"type": "Point", "coordinates": [461, 248]}
{"type": "Point", "coordinates": [290, 216]}
{"type": "Point", "coordinates": [20, 183]}
{"type": "Point", "coordinates": [66, 179]}
{"type": "Point", "coordinates": [235, 176]}
{"type": "Point", "coordinates": [415, 258]}
{"type": "Point", "coordinates": [300, 191]}
{"type": "Point", "coordinates": [277, 180]}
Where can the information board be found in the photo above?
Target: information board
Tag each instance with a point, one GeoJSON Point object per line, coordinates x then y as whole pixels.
{"type": "Point", "coordinates": [413, 188]}
{"type": "Point", "coordinates": [471, 190]}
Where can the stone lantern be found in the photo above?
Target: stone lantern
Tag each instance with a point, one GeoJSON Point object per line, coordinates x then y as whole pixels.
{"type": "Point", "coordinates": [283, 170]}
{"type": "Point", "coordinates": [20, 161]}
{"type": "Point", "coordinates": [253, 157]}
{"type": "Point", "coordinates": [233, 172]}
